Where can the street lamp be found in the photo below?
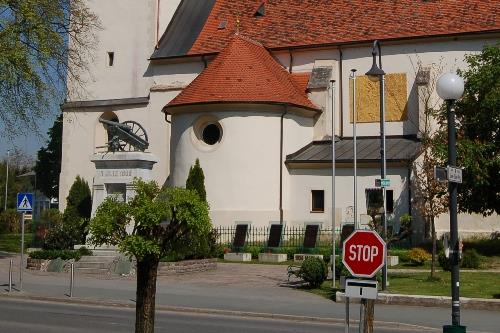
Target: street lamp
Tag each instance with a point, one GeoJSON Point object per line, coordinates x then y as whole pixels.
{"type": "Point", "coordinates": [450, 87]}
{"type": "Point", "coordinates": [375, 74]}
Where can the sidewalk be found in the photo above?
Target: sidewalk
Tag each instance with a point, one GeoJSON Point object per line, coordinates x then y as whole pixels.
{"type": "Point", "coordinates": [237, 288]}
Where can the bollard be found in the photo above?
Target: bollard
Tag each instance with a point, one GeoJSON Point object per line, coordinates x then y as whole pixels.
{"type": "Point", "coordinates": [71, 281]}
{"type": "Point", "coordinates": [10, 276]}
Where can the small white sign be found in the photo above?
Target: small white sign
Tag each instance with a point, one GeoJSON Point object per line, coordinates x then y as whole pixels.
{"type": "Point", "coordinates": [367, 289]}
{"type": "Point", "coordinates": [454, 174]}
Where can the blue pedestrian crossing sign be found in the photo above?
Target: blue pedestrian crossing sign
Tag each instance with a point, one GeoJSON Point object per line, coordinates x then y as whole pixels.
{"type": "Point", "coordinates": [24, 202]}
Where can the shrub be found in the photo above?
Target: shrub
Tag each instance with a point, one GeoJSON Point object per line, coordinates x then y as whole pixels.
{"type": "Point", "coordinates": [9, 221]}
{"type": "Point", "coordinates": [402, 254]}
{"type": "Point", "coordinates": [418, 256]}
{"type": "Point", "coordinates": [314, 271]}
{"type": "Point", "coordinates": [443, 261]}
{"type": "Point", "coordinates": [51, 217]}
{"type": "Point", "coordinates": [79, 201]}
{"type": "Point", "coordinates": [63, 254]}
{"type": "Point", "coordinates": [254, 250]}
{"type": "Point", "coordinates": [484, 246]}
{"type": "Point", "coordinates": [470, 259]}
{"type": "Point", "coordinates": [64, 237]}
{"type": "Point", "coordinates": [196, 180]}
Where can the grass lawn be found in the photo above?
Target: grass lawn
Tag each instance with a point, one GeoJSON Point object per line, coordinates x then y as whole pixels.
{"type": "Point", "coordinates": [472, 284]}
{"type": "Point", "coordinates": [12, 242]}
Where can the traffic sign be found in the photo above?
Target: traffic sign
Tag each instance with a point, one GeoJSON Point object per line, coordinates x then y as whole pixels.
{"type": "Point", "coordinates": [363, 253]}
{"type": "Point", "coordinates": [454, 174]}
{"type": "Point", "coordinates": [24, 202]}
{"type": "Point", "coordinates": [384, 182]}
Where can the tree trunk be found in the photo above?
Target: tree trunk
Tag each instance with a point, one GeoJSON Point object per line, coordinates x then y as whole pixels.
{"type": "Point", "coordinates": [147, 270]}
{"type": "Point", "coordinates": [433, 261]}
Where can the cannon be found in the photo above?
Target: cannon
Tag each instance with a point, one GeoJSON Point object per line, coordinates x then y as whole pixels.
{"type": "Point", "coordinates": [126, 136]}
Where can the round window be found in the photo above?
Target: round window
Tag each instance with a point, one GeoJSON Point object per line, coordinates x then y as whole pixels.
{"type": "Point", "coordinates": [211, 134]}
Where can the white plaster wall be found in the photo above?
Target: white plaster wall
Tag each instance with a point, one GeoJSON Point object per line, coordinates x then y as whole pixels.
{"type": "Point", "coordinates": [303, 181]}
{"type": "Point", "coordinates": [128, 30]}
{"type": "Point", "coordinates": [242, 171]}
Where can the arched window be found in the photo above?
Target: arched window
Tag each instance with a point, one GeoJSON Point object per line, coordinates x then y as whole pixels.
{"type": "Point", "coordinates": [102, 135]}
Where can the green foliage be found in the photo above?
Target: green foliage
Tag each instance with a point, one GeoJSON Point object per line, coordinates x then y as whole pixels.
{"type": "Point", "coordinates": [63, 254]}
{"type": "Point", "coordinates": [36, 58]}
{"type": "Point", "coordinates": [184, 216]}
{"type": "Point", "coordinates": [478, 133]}
{"type": "Point", "coordinates": [444, 262]}
{"type": "Point", "coordinates": [418, 256]}
{"type": "Point", "coordinates": [10, 221]}
{"type": "Point", "coordinates": [48, 164]}
{"type": "Point", "coordinates": [65, 236]}
{"type": "Point", "coordinates": [19, 163]}
{"type": "Point", "coordinates": [77, 212]}
{"type": "Point", "coordinates": [484, 246]}
{"type": "Point", "coordinates": [314, 271]}
{"type": "Point", "coordinates": [196, 180]}
{"type": "Point", "coordinates": [470, 259]}
{"type": "Point", "coordinates": [51, 217]}
{"type": "Point", "coordinates": [78, 201]}
{"type": "Point", "coordinates": [402, 254]}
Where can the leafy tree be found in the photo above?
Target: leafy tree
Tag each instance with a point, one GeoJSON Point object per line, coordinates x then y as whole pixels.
{"type": "Point", "coordinates": [429, 196]}
{"type": "Point", "coordinates": [48, 164]}
{"type": "Point", "coordinates": [160, 220]}
{"type": "Point", "coordinates": [19, 164]}
{"type": "Point", "coordinates": [196, 180]}
{"type": "Point", "coordinates": [78, 208]}
{"type": "Point", "coordinates": [478, 134]}
{"type": "Point", "coordinates": [36, 57]}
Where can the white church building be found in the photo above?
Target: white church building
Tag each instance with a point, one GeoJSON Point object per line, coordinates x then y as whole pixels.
{"type": "Point", "coordinates": [251, 88]}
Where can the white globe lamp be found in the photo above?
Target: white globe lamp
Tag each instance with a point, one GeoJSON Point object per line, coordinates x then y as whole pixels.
{"type": "Point", "coordinates": [450, 86]}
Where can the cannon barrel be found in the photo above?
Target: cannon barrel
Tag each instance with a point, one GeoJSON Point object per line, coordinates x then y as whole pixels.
{"type": "Point", "coordinates": [114, 123]}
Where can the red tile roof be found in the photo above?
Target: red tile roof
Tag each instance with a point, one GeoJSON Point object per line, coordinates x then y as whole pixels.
{"type": "Point", "coordinates": [244, 72]}
{"type": "Point", "coordinates": [288, 23]}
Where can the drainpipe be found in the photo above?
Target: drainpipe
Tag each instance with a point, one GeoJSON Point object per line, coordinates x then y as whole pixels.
{"type": "Point", "coordinates": [281, 163]}
{"type": "Point", "coordinates": [291, 60]}
{"type": "Point", "coordinates": [341, 94]}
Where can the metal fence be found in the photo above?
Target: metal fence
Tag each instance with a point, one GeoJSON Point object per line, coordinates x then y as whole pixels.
{"type": "Point", "coordinates": [291, 236]}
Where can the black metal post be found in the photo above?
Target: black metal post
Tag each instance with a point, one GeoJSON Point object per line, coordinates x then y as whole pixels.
{"type": "Point", "coordinates": [454, 251]}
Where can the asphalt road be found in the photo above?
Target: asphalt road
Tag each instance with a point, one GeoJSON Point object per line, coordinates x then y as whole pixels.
{"type": "Point", "coordinates": [44, 317]}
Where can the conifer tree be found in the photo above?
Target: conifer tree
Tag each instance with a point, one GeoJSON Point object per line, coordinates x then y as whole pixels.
{"type": "Point", "coordinates": [196, 180]}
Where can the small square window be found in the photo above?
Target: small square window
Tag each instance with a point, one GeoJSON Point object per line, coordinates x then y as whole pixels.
{"type": "Point", "coordinates": [318, 201]}
{"type": "Point", "coordinates": [111, 59]}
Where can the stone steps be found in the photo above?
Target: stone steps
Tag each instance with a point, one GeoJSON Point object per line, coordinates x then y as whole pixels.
{"type": "Point", "coordinates": [92, 270]}
{"type": "Point", "coordinates": [95, 264]}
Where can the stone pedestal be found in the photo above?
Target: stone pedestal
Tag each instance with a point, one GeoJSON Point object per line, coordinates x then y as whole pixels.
{"type": "Point", "coordinates": [392, 260]}
{"type": "Point", "coordinates": [239, 257]}
{"type": "Point", "coordinates": [115, 172]}
{"type": "Point", "coordinates": [272, 257]}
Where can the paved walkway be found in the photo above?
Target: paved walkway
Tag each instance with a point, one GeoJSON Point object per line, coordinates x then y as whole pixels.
{"type": "Point", "coordinates": [243, 288]}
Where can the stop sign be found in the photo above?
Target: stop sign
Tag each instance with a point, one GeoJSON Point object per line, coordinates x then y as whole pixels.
{"type": "Point", "coordinates": [363, 253]}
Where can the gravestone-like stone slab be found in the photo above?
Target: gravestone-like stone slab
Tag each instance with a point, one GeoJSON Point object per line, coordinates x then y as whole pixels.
{"type": "Point", "coordinates": [240, 235]}
{"type": "Point", "coordinates": [311, 235]}
{"type": "Point", "coordinates": [347, 229]}
{"type": "Point", "coordinates": [275, 235]}
{"type": "Point", "coordinates": [56, 265]}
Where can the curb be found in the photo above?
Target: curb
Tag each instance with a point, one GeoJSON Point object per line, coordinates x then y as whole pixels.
{"type": "Point", "coordinates": [229, 313]}
{"type": "Point", "coordinates": [429, 301]}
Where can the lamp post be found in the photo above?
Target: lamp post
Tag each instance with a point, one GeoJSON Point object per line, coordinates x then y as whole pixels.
{"type": "Point", "coordinates": [6, 181]}
{"type": "Point", "coordinates": [334, 222]}
{"type": "Point", "coordinates": [450, 87]}
{"type": "Point", "coordinates": [377, 74]}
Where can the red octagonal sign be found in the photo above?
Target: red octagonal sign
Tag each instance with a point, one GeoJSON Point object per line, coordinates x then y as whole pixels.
{"type": "Point", "coordinates": [363, 253]}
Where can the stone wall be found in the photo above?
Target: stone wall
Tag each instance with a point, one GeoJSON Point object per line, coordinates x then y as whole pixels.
{"type": "Point", "coordinates": [186, 266]}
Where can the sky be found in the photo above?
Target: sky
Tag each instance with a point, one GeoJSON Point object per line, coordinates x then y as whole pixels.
{"type": "Point", "coordinates": [30, 143]}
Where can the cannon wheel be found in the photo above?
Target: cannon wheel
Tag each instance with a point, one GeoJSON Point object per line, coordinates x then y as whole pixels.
{"type": "Point", "coordinates": [136, 129]}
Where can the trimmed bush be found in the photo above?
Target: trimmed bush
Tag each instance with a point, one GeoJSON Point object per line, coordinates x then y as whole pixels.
{"type": "Point", "coordinates": [314, 271]}
{"type": "Point", "coordinates": [63, 254]}
{"type": "Point", "coordinates": [418, 256]}
{"type": "Point", "coordinates": [470, 259]}
{"type": "Point", "coordinates": [484, 246]}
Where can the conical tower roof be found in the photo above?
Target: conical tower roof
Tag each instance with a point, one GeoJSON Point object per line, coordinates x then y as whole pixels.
{"type": "Point", "coordinates": [244, 72]}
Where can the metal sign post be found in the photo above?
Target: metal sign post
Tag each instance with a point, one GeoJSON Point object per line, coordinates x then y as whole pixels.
{"type": "Point", "coordinates": [24, 204]}
{"type": "Point", "coordinates": [21, 266]}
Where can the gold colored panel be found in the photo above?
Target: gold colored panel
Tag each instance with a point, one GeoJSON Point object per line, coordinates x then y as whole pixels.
{"type": "Point", "coordinates": [368, 99]}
